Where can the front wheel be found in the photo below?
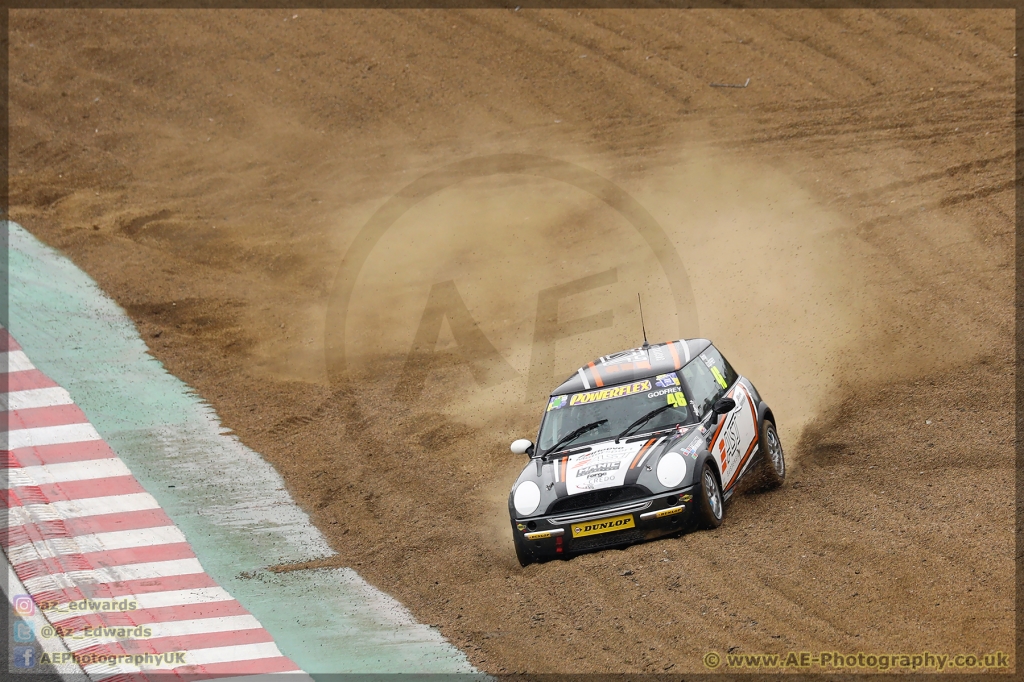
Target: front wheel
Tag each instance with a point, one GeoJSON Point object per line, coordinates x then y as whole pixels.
{"type": "Point", "coordinates": [524, 557]}
{"type": "Point", "coordinates": [711, 508]}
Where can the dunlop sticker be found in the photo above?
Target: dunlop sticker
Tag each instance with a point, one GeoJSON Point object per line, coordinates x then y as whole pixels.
{"type": "Point", "coordinates": [603, 525]}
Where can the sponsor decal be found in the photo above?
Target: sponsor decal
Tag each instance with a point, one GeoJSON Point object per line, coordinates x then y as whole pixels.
{"type": "Point", "coordinates": [598, 468]}
{"type": "Point", "coordinates": [613, 453]}
{"type": "Point", "coordinates": [666, 380]}
{"type": "Point", "coordinates": [665, 391]}
{"type": "Point", "coordinates": [691, 449]}
{"type": "Point", "coordinates": [520, 526]}
{"type": "Point", "coordinates": [668, 512]}
{"type": "Point", "coordinates": [596, 480]}
{"type": "Point", "coordinates": [676, 399]}
{"type": "Point", "coordinates": [541, 535]}
{"type": "Point", "coordinates": [610, 393]}
{"type": "Point", "coordinates": [603, 467]}
{"type": "Point", "coordinates": [657, 354]}
{"type": "Point", "coordinates": [624, 357]}
{"type": "Point", "coordinates": [557, 402]}
{"type": "Point", "coordinates": [686, 498]}
{"type": "Point", "coordinates": [739, 434]}
{"type": "Point", "coordinates": [710, 362]}
{"type": "Point", "coordinates": [603, 525]}
{"type": "Point", "coordinates": [732, 442]}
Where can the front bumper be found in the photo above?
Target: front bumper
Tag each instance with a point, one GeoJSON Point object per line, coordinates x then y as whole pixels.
{"type": "Point", "coordinates": [562, 535]}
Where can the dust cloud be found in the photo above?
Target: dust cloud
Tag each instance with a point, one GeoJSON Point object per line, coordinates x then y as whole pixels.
{"type": "Point", "coordinates": [445, 308]}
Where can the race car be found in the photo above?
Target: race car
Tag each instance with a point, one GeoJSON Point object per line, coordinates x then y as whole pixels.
{"type": "Point", "coordinates": [643, 443]}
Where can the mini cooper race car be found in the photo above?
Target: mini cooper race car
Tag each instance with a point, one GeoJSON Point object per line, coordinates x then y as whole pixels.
{"type": "Point", "coordinates": [643, 443]}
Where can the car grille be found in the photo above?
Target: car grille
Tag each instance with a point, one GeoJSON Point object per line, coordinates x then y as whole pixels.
{"type": "Point", "coordinates": [598, 498]}
{"type": "Point", "coordinates": [606, 540]}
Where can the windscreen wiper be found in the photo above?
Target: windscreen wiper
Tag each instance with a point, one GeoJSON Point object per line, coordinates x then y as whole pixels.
{"type": "Point", "coordinates": [643, 420]}
{"type": "Point", "coordinates": [574, 435]}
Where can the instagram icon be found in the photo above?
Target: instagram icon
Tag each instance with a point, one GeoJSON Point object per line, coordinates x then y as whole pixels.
{"type": "Point", "coordinates": [23, 605]}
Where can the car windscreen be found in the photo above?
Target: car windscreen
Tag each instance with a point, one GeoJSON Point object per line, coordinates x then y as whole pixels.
{"type": "Point", "coordinates": [621, 405]}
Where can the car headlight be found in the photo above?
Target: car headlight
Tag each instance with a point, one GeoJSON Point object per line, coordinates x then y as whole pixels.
{"type": "Point", "coordinates": [527, 498]}
{"type": "Point", "coordinates": [671, 470]}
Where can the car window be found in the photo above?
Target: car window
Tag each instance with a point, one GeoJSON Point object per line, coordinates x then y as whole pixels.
{"type": "Point", "coordinates": [703, 386]}
{"type": "Point", "coordinates": [719, 366]}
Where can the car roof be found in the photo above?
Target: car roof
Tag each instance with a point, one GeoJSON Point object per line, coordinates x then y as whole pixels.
{"type": "Point", "coordinates": [633, 364]}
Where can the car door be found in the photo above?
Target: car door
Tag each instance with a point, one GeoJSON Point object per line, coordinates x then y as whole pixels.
{"type": "Point", "coordinates": [735, 440]}
{"type": "Point", "coordinates": [732, 439]}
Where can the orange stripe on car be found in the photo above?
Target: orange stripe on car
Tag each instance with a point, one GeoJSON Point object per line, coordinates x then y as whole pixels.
{"type": "Point", "coordinates": [565, 463]}
{"type": "Point", "coordinates": [675, 355]}
{"type": "Point", "coordinates": [641, 452]}
{"type": "Point", "coordinates": [594, 373]}
{"type": "Point", "coordinates": [718, 430]}
{"type": "Point", "coordinates": [743, 461]}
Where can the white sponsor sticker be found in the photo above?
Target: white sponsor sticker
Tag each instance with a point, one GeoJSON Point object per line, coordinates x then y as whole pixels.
{"type": "Point", "coordinates": [603, 467]}
{"type": "Point", "coordinates": [674, 389]}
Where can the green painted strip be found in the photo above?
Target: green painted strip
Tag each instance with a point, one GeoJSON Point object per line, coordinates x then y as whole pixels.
{"type": "Point", "coordinates": [229, 502]}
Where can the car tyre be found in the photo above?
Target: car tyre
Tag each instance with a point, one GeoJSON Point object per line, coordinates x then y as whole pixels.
{"type": "Point", "coordinates": [711, 505]}
{"type": "Point", "coordinates": [773, 459]}
{"type": "Point", "coordinates": [525, 559]}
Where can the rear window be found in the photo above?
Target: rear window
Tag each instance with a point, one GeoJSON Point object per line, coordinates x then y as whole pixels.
{"type": "Point", "coordinates": [719, 366]}
{"type": "Point", "coordinates": [705, 388]}
{"type": "Point", "coordinates": [708, 377]}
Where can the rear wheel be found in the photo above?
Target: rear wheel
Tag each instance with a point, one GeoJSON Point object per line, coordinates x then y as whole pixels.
{"type": "Point", "coordinates": [711, 507]}
{"type": "Point", "coordinates": [773, 460]}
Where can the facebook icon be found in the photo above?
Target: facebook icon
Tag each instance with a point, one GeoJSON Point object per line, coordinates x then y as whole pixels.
{"type": "Point", "coordinates": [24, 656]}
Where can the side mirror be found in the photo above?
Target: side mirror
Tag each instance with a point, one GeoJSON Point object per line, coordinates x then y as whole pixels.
{"type": "Point", "coordinates": [522, 447]}
{"type": "Point", "coordinates": [724, 405]}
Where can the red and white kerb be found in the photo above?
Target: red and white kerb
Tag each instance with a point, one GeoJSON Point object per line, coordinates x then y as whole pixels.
{"type": "Point", "coordinates": [81, 527]}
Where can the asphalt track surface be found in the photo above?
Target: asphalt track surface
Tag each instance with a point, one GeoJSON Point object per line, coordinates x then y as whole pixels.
{"type": "Point", "coordinates": [845, 222]}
